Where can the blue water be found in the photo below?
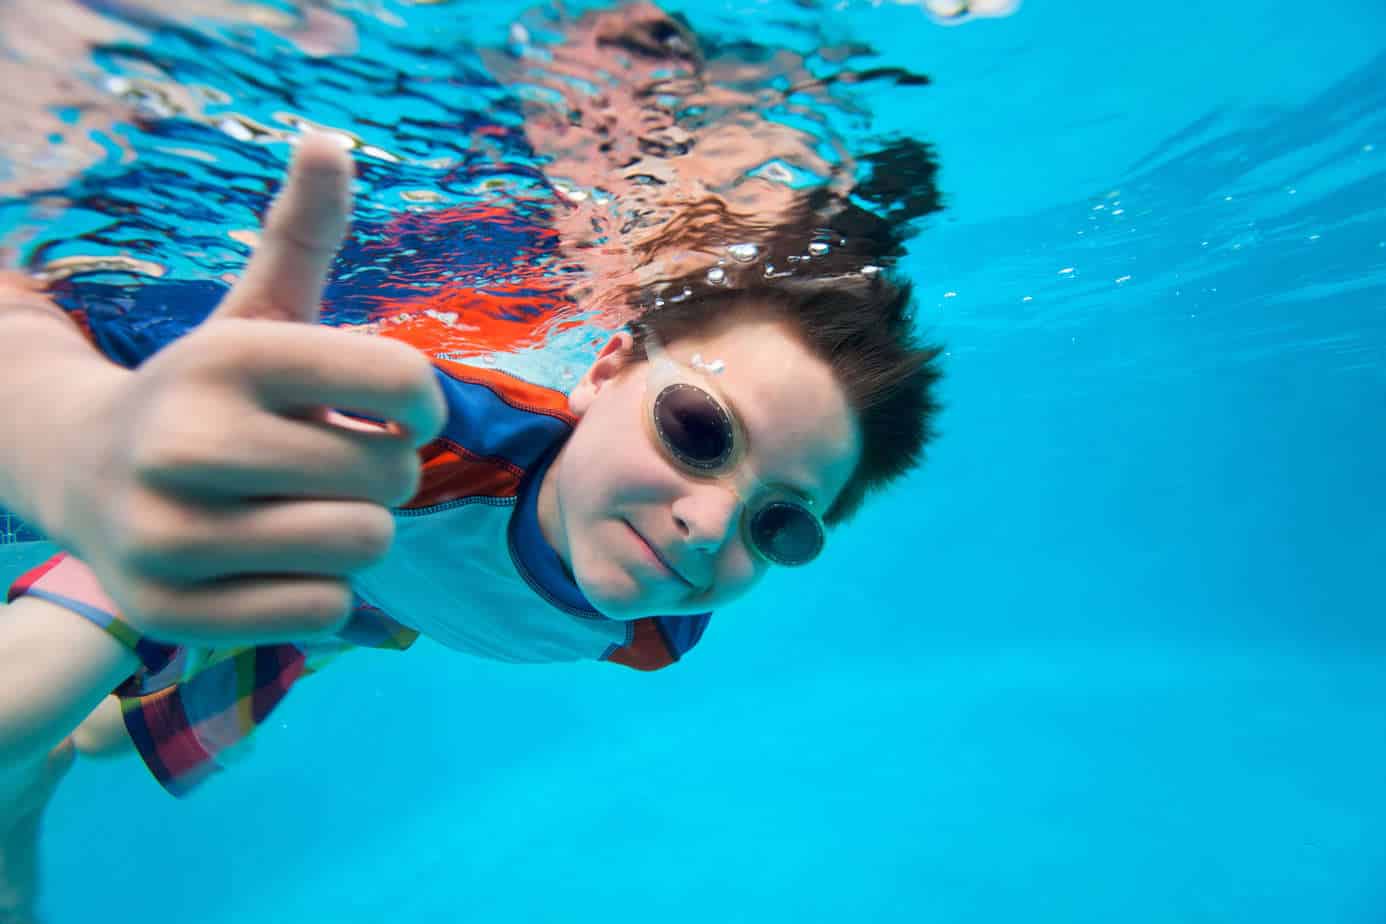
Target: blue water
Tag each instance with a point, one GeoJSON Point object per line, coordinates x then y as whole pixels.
{"type": "Point", "coordinates": [1116, 653]}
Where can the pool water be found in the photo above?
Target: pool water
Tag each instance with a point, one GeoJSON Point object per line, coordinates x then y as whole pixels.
{"type": "Point", "coordinates": [1117, 652]}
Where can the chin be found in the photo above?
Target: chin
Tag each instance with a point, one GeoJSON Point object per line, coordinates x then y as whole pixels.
{"type": "Point", "coordinates": [624, 611]}
{"type": "Point", "coordinates": [617, 599]}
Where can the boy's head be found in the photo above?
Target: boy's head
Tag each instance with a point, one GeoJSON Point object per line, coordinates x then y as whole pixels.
{"type": "Point", "coordinates": [829, 388]}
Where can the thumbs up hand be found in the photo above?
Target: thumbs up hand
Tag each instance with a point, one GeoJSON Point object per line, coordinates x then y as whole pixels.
{"type": "Point", "coordinates": [213, 492]}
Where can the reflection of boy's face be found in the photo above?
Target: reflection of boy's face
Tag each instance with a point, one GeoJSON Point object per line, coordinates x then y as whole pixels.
{"type": "Point", "coordinates": [612, 490]}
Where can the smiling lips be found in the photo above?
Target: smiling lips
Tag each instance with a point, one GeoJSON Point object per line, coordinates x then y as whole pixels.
{"type": "Point", "coordinates": [656, 557]}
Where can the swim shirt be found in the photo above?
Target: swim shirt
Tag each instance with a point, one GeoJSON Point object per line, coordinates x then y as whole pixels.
{"type": "Point", "coordinates": [469, 568]}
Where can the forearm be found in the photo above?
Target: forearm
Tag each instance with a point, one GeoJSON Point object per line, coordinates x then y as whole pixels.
{"type": "Point", "coordinates": [51, 373]}
{"type": "Point", "coordinates": [56, 667]}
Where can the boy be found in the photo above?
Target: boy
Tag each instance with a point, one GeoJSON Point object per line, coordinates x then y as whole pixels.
{"type": "Point", "coordinates": [220, 514]}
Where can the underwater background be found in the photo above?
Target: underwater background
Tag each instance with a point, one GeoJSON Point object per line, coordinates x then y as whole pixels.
{"type": "Point", "coordinates": [1117, 651]}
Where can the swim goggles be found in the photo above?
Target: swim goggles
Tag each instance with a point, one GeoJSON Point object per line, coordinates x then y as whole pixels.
{"type": "Point", "coordinates": [696, 430]}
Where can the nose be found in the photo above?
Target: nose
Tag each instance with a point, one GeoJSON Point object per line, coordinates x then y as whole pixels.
{"type": "Point", "coordinates": [705, 516]}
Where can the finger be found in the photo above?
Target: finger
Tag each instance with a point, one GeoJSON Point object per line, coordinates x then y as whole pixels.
{"type": "Point", "coordinates": [302, 233]}
{"type": "Point", "coordinates": [276, 457]}
{"type": "Point", "coordinates": [296, 369]}
{"type": "Point", "coordinates": [324, 538]}
{"type": "Point", "coordinates": [252, 610]}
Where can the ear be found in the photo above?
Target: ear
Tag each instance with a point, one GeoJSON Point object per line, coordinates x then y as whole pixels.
{"type": "Point", "coordinates": [614, 359]}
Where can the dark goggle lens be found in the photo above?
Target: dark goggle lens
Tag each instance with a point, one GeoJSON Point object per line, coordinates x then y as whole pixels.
{"type": "Point", "coordinates": [786, 533]}
{"type": "Point", "coordinates": [694, 426]}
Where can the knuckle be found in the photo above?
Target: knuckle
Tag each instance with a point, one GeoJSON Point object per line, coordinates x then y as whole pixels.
{"type": "Point", "coordinates": [400, 472]}
{"type": "Point", "coordinates": [408, 370]}
{"type": "Point", "coordinates": [153, 539]}
{"type": "Point", "coordinates": [178, 436]}
{"type": "Point", "coordinates": [327, 606]}
{"type": "Point", "coordinates": [159, 454]}
{"type": "Point", "coordinates": [213, 345]}
{"type": "Point", "coordinates": [371, 533]}
{"type": "Point", "coordinates": [231, 347]}
{"type": "Point", "coordinates": [154, 608]}
{"type": "Point", "coordinates": [410, 479]}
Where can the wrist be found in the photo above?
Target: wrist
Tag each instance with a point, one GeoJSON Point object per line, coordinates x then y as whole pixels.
{"type": "Point", "coordinates": [53, 380]}
{"type": "Point", "coordinates": [65, 460]}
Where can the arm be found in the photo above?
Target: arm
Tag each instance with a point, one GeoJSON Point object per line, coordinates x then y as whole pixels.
{"type": "Point", "coordinates": [57, 667]}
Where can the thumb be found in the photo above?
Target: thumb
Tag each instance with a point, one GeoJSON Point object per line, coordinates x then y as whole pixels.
{"type": "Point", "coordinates": [302, 233]}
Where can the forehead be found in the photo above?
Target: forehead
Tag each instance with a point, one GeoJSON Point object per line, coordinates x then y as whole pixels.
{"type": "Point", "coordinates": [801, 430]}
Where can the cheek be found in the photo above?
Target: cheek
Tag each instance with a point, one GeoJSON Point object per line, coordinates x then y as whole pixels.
{"type": "Point", "coordinates": [737, 572]}
{"type": "Point", "coordinates": [627, 468]}
{"type": "Point", "coordinates": [608, 485]}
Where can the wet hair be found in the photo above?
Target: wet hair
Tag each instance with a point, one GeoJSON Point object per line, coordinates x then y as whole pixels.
{"type": "Point", "coordinates": [860, 323]}
{"type": "Point", "coordinates": [823, 266]}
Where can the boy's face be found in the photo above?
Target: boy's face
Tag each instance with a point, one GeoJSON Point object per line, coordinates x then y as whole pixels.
{"type": "Point", "coordinates": [612, 493]}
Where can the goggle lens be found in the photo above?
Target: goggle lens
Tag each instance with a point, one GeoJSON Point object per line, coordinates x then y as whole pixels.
{"type": "Point", "coordinates": [786, 533]}
{"type": "Point", "coordinates": [694, 426]}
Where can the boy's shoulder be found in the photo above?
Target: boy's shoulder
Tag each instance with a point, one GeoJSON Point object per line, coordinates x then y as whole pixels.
{"type": "Point", "coordinates": [499, 427]}
{"type": "Point", "coordinates": [467, 381]}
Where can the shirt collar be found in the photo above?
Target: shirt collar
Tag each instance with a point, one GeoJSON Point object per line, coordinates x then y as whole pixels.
{"type": "Point", "coordinates": [534, 554]}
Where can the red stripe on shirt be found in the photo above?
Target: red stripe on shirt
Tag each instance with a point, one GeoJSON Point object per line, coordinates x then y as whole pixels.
{"type": "Point", "coordinates": [647, 651]}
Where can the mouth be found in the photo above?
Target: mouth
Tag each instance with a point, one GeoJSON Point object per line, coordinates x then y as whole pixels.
{"type": "Point", "coordinates": [658, 559]}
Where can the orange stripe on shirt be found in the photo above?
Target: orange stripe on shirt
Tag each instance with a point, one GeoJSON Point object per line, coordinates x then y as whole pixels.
{"type": "Point", "coordinates": [451, 473]}
{"type": "Point", "coordinates": [515, 392]}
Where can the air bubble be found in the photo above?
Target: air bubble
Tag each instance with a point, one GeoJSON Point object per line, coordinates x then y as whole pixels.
{"type": "Point", "coordinates": [870, 271]}
{"type": "Point", "coordinates": [717, 276]}
{"type": "Point", "coordinates": [818, 248]}
{"type": "Point", "coordinates": [743, 253]}
{"type": "Point", "coordinates": [777, 173]}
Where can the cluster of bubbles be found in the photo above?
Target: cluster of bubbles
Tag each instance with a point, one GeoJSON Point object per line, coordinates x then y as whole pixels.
{"type": "Point", "coordinates": [747, 253]}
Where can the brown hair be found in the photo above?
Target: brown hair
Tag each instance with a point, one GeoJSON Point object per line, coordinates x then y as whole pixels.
{"type": "Point", "coordinates": [860, 323]}
{"type": "Point", "coordinates": [820, 262]}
